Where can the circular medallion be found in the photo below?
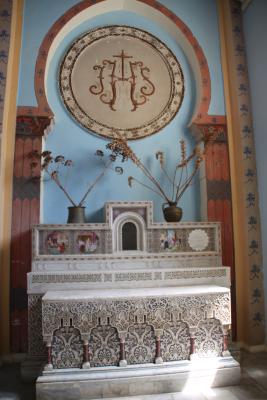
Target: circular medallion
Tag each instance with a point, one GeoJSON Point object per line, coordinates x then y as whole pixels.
{"type": "Point", "coordinates": [198, 240]}
{"type": "Point", "coordinates": [120, 81]}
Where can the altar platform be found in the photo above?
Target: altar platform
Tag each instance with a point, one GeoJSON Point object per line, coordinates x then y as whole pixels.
{"type": "Point", "coordinates": [129, 306]}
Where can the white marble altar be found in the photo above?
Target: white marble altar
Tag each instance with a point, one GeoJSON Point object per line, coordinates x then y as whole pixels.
{"type": "Point", "coordinates": [129, 306]}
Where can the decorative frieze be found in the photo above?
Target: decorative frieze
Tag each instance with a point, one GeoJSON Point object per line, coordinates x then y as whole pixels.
{"type": "Point", "coordinates": [133, 330]}
{"type": "Point", "coordinates": [42, 282]}
{"type": "Point", "coordinates": [123, 312]}
{"type": "Point", "coordinates": [94, 241]}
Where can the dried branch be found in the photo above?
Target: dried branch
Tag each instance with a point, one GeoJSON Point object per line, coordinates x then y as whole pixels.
{"type": "Point", "coordinates": [119, 147]}
{"type": "Point", "coordinates": [52, 167]}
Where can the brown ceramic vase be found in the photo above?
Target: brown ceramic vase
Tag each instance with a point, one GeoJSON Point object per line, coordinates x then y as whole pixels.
{"type": "Point", "coordinates": [171, 212]}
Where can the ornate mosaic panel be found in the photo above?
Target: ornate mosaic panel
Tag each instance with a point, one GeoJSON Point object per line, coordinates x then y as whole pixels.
{"type": "Point", "coordinates": [209, 338]}
{"type": "Point", "coordinates": [67, 348]}
{"type": "Point", "coordinates": [94, 240]}
{"type": "Point", "coordinates": [142, 211]}
{"type": "Point", "coordinates": [140, 344]}
{"type": "Point", "coordinates": [125, 312]}
{"type": "Point", "coordinates": [36, 344]}
{"type": "Point", "coordinates": [136, 320]}
{"type": "Point", "coordinates": [67, 242]}
{"type": "Point", "coordinates": [175, 341]}
{"type": "Point", "coordinates": [104, 346]}
{"type": "Point", "coordinates": [181, 240]}
{"type": "Point", "coordinates": [119, 80]}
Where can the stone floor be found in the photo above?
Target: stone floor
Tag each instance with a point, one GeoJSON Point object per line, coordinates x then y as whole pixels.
{"type": "Point", "coordinates": [253, 385]}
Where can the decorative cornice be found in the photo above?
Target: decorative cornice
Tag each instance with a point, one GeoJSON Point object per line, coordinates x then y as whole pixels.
{"type": "Point", "coordinates": [215, 124]}
{"type": "Point", "coordinates": [219, 190]}
{"type": "Point", "coordinates": [32, 125]}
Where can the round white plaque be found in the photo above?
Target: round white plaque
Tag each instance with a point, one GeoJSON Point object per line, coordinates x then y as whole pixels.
{"type": "Point", "coordinates": [198, 240]}
{"type": "Point", "coordinates": [121, 81]}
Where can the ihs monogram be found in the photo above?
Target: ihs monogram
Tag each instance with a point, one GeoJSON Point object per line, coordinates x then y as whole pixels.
{"type": "Point", "coordinates": [132, 75]}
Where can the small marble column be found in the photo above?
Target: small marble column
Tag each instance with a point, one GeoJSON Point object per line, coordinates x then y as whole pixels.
{"type": "Point", "coordinates": [192, 345]}
{"type": "Point", "coordinates": [86, 358]}
{"type": "Point", "coordinates": [158, 359]}
{"type": "Point", "coordinates": [225, 351]}
{"type": "Point", "coordinates": [123, 361]}
{"type": "Point", "coordinates": [193, 354]}
{"type": "Point", "coordinates": [49, 365]}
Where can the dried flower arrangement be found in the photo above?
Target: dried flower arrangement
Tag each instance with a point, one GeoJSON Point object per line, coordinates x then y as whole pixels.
{"type": "Point", "coordinates": [53, 167]}
{"type": "Point", "coordinates": [182, 176]}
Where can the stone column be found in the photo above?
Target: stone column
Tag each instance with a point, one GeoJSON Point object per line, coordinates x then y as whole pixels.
{"type": "Point", "coordinates": [86, 357]}
{"type": "Point", "coordinates": [123, 361]}
{"type": "Point", "coordinates": [158, 334]}
{"type": "Point", "coordinates": [225, 351]}
{"type": "Point", "coordinates": [193, 354]}
{"type": "Point", "coordinates": [49, 365]}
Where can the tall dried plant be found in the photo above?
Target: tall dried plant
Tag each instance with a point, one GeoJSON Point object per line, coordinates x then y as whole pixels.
{"type": "Point", "coordinates": [53, 167]}
{"type": "Point", "coordinates": [182, 176]}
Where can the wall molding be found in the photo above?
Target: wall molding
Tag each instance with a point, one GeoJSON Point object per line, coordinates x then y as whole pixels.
{"type": "Point", "coordinates": [6, 168]}
{"type": "Point", "coordinates": [248, 252]}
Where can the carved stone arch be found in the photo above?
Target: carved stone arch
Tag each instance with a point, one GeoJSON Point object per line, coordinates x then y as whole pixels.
{"type": "Point", "coordinates": [139, 223]}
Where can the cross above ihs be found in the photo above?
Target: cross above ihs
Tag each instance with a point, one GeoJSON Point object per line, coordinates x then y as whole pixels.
{"type": "Point", "coordinates": [123, 57]}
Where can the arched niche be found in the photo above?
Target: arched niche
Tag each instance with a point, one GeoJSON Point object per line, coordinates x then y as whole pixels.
{"type": "Point", "coordinates": [129, 236]}
{"type": "Point", "coordinates": [129, 233]}
{"type": "Point", "coordinates": [157, 13]}
{"type": "Point", "coordinates": [84, 12]}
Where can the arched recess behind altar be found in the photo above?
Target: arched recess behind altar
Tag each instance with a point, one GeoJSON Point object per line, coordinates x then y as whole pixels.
{"type": "Point", "coordinates": [42, 114]}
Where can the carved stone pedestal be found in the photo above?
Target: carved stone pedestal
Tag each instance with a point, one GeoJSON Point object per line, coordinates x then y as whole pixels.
{"type": "Point", "coordinates": [137, 379]}
{"type": "Point", "coordinates": [119, 321]}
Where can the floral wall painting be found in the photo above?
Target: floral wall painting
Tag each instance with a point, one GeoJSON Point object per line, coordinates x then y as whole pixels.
{"type": "Point", "coordinates": [87, 242]}
{"type": "Point", "coordinates": [171, 241]}
{"type": "Point", "coordinates": [57, 243]}
{"type": "Point", "coordinates": [121, 81]}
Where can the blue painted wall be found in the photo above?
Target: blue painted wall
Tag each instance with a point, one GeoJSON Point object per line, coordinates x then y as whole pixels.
{"type": "Point", "coordinates": [71, 140]}
{"type": "Point", "coordinates": [255, 29]}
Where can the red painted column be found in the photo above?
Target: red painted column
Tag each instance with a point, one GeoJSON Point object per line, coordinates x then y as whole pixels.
{"type": "Point", "coordinates": [192, 345]}
{"type": "Point", "coordinates": [219, 198]}
{"type": "Point", "coordinates": [25, 213]}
